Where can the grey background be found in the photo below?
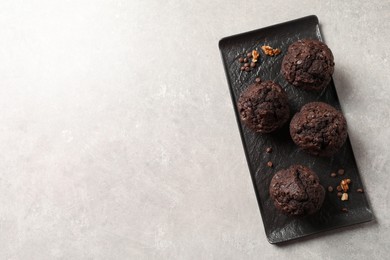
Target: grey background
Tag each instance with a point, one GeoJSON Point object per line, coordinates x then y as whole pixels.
{"type": "Point", "coordinates": [118, 138]}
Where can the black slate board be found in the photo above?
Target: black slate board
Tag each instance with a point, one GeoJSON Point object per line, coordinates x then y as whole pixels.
{"type": "Point", "coordinates": [278, 227]}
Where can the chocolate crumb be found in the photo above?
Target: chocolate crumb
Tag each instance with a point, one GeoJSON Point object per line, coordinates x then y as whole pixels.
{"type": "Point", "coordinates": [360, 190]}
{"type": "Point", "coordinates": [330, 188]}
{"type": "Point", "coordinates": [253, 64]}
{"type": "Point", "coordinates": [245, 60]}
{"type": "Point", "coordinates": [242, 68]}
{"type": "Point", "coordinates": [341, 171]}
{"type": "Point", "coordinates": [247, 69]}
{"type": "Point", "coordinates": [269, 164]}
{"type": "Point", "coordinates": [333, 174]}
{"type": "Point", "coordinates": [249, 54]}
{"type": "Point", "coordinates": [241, 60]}
{"type": "Point", "coordinates": [339, 188]}
{"type": "Point", "coordinates": [269, 150]}
{"type": "Point", "coordinates": [344, 210]}
{"type": "Point", "coordinates": [246, 64]}
{"type": "Point", "coordinates": [258, 80]}
{"type": "Point", "coordinates": [339, 194]}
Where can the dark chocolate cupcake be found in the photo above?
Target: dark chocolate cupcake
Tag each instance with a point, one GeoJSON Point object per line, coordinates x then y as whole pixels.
{"type": "Point", "coordinates": [319, 129]}
{"type": "Point", "coordinates": [308, 65]}
{"type": "Point", "coordinates": [263, 107]}
{"type": "Point", "coordinates": [296, 191]}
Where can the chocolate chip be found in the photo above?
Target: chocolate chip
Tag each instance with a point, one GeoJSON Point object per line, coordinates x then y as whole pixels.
{"type": "Point", "coordinates": [241, 60]}
{"type": "Point", "coordinates": [249, 54]}
{"type": "Point", "coordinates": [258, 80]}
{"type": "Point", "coordinates": [333, 174]}
{"type": "Point", "coordinates": [330, 188]}
{"type": "Point", "coordinates": [242, 68]}
{"type": "Point", "coordinates": [245, 60]}
{"type": "Point", "coordinates": [269, 164]}
{"type": "Point", "coordinates": [253, 64]}
{"type": "Point", "coordinates": [247, 69]}
{"type": "Point", "coordinates": [339, 188]}
{"type": "Point", "coordinates": [269, 150]}
{"type": "Point", "coordinates": [341, 171]}
{"type": "Point", "coordinates": [360, 190]}
{"type": "Point", "coordinates": [344, 210]}
{"type": "Point", "coordinates": [339, 194]}
{"type": "Point", "coordinates": [246, 64]}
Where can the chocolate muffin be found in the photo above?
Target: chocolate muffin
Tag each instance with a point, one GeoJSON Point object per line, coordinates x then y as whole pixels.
{"type": "Point", "coordinates": [308, 65]}
{"type": "Point", "coordinates": [296, 191]}
{"type": "Point", "coordinates": [263, 107]}
{"type": "Point", "coordinates": [319, 129]}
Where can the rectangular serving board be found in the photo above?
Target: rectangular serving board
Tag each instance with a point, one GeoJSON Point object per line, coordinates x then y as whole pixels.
{"type": "Point", "coordinates": [279, 227]}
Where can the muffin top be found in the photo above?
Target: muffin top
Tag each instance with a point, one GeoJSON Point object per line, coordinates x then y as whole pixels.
{"type": "Point", "coordinates": [297, 191]}
{"type": "Point", "coordinates": [308, 65]}
{"type": "Point", "coordinates": [319, 129]}
{"type": "Point", "coordinates": [263, 107]}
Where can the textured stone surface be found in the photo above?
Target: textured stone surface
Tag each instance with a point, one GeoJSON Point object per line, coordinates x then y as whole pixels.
{"type": "Point", "coordinates": [119, 140]}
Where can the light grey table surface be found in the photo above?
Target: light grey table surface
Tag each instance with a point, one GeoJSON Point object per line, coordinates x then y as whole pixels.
{"type": "Point", "coordinates": [118, 138]}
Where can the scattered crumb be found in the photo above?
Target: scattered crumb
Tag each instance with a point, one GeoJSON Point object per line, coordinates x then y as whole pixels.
{"type": "Point", "coordinates": [344, 197]}
{"type": "Point", "coordinates": [268, 50]}
{"type": "Point", "coordinates": [255, 55]}
{"type": "Point", "coordinates": [341, 171]}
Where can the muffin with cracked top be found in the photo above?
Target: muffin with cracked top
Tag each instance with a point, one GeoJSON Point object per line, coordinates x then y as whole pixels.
{"type": "Point", "coordinates": [308, 65]}
{"type": "Point", "coordinates": [296, 191]}
{"type": "Point", "coordinates": [263, 107]}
